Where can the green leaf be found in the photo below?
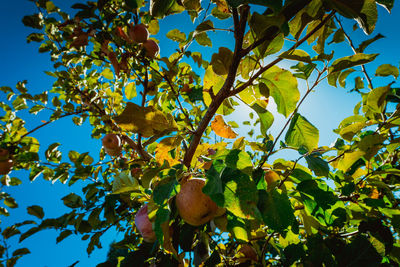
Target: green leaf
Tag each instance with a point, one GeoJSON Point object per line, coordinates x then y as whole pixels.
{"type": "Point", "coordinates": [386, 70]}
{"type": "Point", "coordinates": [10, 231]}
{"type": "Point", "coordinates": [28, 233]}
{"type": "Point", "coordinates": [20, 252]}
{"type": "Point", "coordinates": [366, 43]}
{"type": "Point", "coordinates": [176, 35]}
{"type": "Point", "coordinates": [363, 11]}
{"type": "Point", "coordinates": [276, 210]}
{"type": "Point", "coordinates": [302, 133]}
{"type": "Point", "coordinates": [319, 166]}
{"type": "Point", "coordinates": [72, 201]}
{"type": "Point", "coordinates": [215, 12]}
{"type": "Point", "coordinates": [240, 194]}
{"type": "Point", "coordinates": [64, 234]}
{"type": "Point", "coordinates": [35, 37]}
{"type": "Point", "coordinates": [351, 61]}
{"type": "Point", "coordinates": [266, 118]}
{"type": "Point", "coordinates": [35, 21]}
{"type": "Point", "coordinates": [388, 4]}
{"type": "Point", "coordinates": [124, 183]}
{"type": "Point", "coordinates": [237, 227]}
{"type": "Point", "coordinates": [36, 210]}
{"type": "Point", "coordinates": [297, 54]}
{"type": "Point", "coordinates": [165, 189]}
{"type": "Point", "coordinates": [359, 252]}
{"type": "Point", "coordinates": [222, 61]}
{"type": "Point", "coordinates": [108, 74]}
{"type": "Point", "coordinates": [130, 91]}
{"type": "Point", "coordinates": [205, 26]}
{"type": "Point", "coordinates": [376, 100]}
{"type": "Point", "coordinates": [282, 86]}
{"type": "Point", "coordinates": [10, 202]}
{"type": "Point", "coordinates": [145, 120]}
{"type": "Point", "coordinates": [203, 39]}
{"type": "Point", "coordinates": [160, 8]}
{"type": "Point", "coordinates": [133, 4]}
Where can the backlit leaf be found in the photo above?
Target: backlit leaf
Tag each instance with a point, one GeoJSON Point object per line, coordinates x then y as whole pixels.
{"type": "Point", "coordinates": [145, 120]}
{"type": "Point", "coordinates": [130, 91]}
{"type": "Point", "coordinates": [351, 61]}
{"type": "Point", "coordinates": [386, 70]}
{"type": "Point", "coordinates": [302, 133]}
{"type": "Point", "coordinates": [220, 128]}
{"type": "Point", "coordinates": [282, 86]}
{"type": "Point", "coordinates": [36, 211]}
{"type": "Point", "coordinates": [276, 210]}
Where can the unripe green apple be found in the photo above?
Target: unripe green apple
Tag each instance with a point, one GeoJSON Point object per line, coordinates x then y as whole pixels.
{"type": "Point", "coordinates": [144, 225]}
{"type": "Point", "coordinates": [152, 48]}
{"type": "Point", "coordinates": [6, 166]}
{"type": "Point", "coordinates": [138, 33]}
{"type": "Point", "coordinates": [112, 144]}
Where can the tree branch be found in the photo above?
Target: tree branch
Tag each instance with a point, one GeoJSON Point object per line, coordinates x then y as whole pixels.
{"type": "Point", "coordinates": [224, 91]}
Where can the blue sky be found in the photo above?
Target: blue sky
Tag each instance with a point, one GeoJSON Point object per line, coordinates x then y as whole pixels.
{"type": "Point", "coordinates": [325, 108]}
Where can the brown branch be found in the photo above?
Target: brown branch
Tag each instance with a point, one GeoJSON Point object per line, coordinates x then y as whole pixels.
{"type": "Point", "coordinates": [288, 12]}
{"type": "Point", "coordinates": [224, 91]}
{"type": "Point", "coordinates": [309, 90]}
{"type": "Point", "coordinates": [50, 121]}
{"type": "Point", "coordinates": [277, 60]}
{"type": "Point", "coordinates": [355, 52]}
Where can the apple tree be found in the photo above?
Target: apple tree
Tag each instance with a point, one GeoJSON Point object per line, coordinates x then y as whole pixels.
{"type": "Point", "coordinates": [173, 175]}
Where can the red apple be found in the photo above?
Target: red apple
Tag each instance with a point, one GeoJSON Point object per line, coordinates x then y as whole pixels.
{"type": "Point", "coordinates": [112, 144]}
{"type": "Point", "coordinates": [6, 166]}
{"type": "Point", "coordinates": [144, 225]}
{"type": "Point", "coordinates": [4, 154]}
{"type": "Point", "coordinates": [195, 207]}
{"type": "Point", "coordinates": [152, 48]}
{"type": "Point", "coordinates": [138, 33]}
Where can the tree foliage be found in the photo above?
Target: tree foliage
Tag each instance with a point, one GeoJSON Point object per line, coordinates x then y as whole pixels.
{"type": "Point", "coordinates": [333, 205]}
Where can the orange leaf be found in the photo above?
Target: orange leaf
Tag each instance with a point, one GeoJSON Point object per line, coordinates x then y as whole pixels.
{"type": "Point", "coordinates": [219, 126]}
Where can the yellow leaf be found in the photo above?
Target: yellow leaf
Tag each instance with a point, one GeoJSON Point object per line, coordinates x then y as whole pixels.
{"type": "Point", "coordinates": [219, 126]}
{"type": "Point", "coordinates": [163, 149]}
{"type": "Point", "coordinates": [146, 121]}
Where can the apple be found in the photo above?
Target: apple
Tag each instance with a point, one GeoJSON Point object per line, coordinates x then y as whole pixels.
{"type": "Point", "coordinates": [271, 177]}
{"type": "Point", "coordinates": [6, 166]}
{"type": "Point", "coordinates": [4, 154]}
{"type": "Point", "coordinates": [249, 252]}
{"type": "Point", "coordinates": [195, 207]}
{"type": "Point", "coordinates": [112, 144]}
{"type": "Point", "coordinates": [152, 48]}
{"type": "Point", "coordinates": [186, 88]}
{"type": "Point", "coordinates": [144, 225]}
{"type": "Point", "coordinates": [138, 33]}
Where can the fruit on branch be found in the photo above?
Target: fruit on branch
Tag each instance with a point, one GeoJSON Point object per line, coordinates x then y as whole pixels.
{"type": "Point", "coordinates": [6, 166]}
{"type": "Point", "coordinates": [151, 47]}
{"type": "Point", "coordinates": [195, 207]}
{"type": "Point", "coordinates": [144, 225]}
{"type": "Point", "coordinates": [186, 88]}
{"type": "Point", "coordinates": [138, 33]}
{"type": "Point", "coordinates": [249, 252]}
{"type": "Point", "coordinates": [6, 162]}
{"type": "Point", "coordinates": [112, 144]}
{"type": "Point", "coordinates": [271, 177]}
{"type": "Point", "coordinates": [4, 154]}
